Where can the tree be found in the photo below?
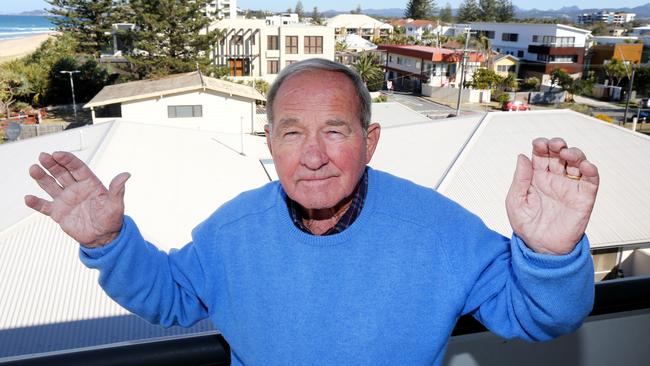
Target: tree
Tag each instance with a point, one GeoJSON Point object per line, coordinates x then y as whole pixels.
{"type": "Point", "coordinates": [446, 14]}
{"type": "Point", "coordinates": [642, 80]}
{"type": "Point", "coordinates": [505, 11]}
{"type": "Point", "coordinates": [90, 21]}
{"type": "Point", "coordinates": [488, 10]}
{"type": "Point", "coordinates": [468, 11]}
{"type": "Point", "coordinates": [357, 10]}
{"type": "Point", "coordinates": [485, 79]}
{"type": "Point", "coordinates": [420, 9]}
{"type": "Point", "coordinates": [12, 86]}
{"type": "Point", "coordinates": [315, 16]}
{"type": "Point", "coordinates": [340, 46]}
{"type": "Point", "coordinates": [299, 10]}
{"type": "Point", "coordinates": [371, 73]}
{"type": "Point", "coordinates": [615, 71]}
{"type": "Point", "coordinates": [171, 37]}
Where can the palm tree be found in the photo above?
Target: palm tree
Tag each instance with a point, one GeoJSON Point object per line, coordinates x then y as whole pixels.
{"type": "Point", "coordinates": [368, 68]}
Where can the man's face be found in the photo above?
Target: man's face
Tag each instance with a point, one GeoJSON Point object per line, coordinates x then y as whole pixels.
{"type": "Point", "coordinates": [318, 145]}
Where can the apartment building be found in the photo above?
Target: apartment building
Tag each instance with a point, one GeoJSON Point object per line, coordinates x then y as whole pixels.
{"type": "Point", "coordinates": [359, 24]}
{"type": "Point", "coordinates": [283, 19]}
{"type": "Point", "coordinates": [410, 66]}
{"type": "Point", "coordinates": [221, 9]}
{"type": "Point", "coordinates": [253, 49]}
{"type": "Point", "coordinates": [541, 48]}
{"type": "Point", "coordinates": [605, 17]}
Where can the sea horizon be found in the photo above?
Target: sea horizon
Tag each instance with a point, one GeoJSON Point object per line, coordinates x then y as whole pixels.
{"type": "Point", "coordinates": [23, 26]}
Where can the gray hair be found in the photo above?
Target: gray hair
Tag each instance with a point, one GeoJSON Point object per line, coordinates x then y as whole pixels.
{"type": "Point", "coordinates": [321, 64]}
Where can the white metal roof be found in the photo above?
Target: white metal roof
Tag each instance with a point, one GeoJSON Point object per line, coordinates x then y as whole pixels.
{"type": "Point", "coordinates": [356, 21]}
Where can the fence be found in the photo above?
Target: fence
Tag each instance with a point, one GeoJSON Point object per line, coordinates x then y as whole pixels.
{"type": "Point", "coordinates": [450, 95]}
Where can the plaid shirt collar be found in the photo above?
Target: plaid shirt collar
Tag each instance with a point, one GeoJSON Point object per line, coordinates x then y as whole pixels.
{"type": "Point", "coordinates": [348, 217]}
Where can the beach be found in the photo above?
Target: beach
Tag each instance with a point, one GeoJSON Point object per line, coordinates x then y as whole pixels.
{"type": "Point", "coordinates": [14, 48]}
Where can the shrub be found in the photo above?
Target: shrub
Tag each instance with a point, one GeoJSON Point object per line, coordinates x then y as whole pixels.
{"type": "Point", "coordinates": [380, 99]}
{"type": "Point", "coordinates": [604, 117]}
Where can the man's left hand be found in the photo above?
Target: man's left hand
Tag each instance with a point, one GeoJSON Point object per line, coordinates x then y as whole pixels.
{"type": "Point", "coordinates": [551, 197]}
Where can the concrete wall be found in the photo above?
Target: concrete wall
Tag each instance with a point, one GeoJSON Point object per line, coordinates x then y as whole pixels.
{"type": "Point", "coordinates": [450, 95]}
{"type": "Point", "coordinates": [221, 113]}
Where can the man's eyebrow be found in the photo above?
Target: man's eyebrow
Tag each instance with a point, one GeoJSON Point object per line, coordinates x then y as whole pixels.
{"type": "Point", "coordinates": [287, 122]}
{"type": "Point", "coordinates": [336, 122]}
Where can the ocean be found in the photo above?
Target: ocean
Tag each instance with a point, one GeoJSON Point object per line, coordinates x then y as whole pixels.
{"type": "Point", "coordinates": [20, 26]}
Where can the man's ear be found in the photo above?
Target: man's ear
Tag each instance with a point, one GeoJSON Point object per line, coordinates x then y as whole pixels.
{"type": "Point", "coordinates": [374, 130]}
{"type": "Point", "coordinates": [267, 132]}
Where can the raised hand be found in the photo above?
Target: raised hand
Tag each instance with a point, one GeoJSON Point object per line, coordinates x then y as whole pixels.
{"type": "Point", "coordinates": [81, 205]}
{"type": "Point", "coordinates": [551, 197]}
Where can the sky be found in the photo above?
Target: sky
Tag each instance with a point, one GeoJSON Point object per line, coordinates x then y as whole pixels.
{"type": "Point", "coordinates": [11, 6]}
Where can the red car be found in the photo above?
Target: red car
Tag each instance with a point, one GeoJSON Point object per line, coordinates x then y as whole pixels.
{"type": "Point", "coordinates": [516, 106]}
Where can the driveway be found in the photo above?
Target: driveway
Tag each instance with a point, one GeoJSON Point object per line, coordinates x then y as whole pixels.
{"type": "Point", "coordinates": [420, 104]}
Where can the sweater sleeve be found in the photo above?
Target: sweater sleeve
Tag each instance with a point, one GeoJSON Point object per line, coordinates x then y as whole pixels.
{"type": "Point", "coordinates": [161, 288]}
{"type": "Point", "coordinates": [519, 293]}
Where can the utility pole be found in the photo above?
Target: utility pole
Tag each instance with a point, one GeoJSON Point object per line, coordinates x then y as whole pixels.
{"type": "Point", "coordinates": [468, 32]}
{"type": "Point", "coordinates": [74, 103]}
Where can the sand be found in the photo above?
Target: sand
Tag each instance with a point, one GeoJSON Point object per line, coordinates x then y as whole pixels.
{"type": "Point", "coordinates": [14, 48]}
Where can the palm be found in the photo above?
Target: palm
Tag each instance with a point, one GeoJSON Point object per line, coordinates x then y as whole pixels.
{"type": "Point", "coordinates": [81, 205]}
{"type": "Point", "coordinates": [548, 210]}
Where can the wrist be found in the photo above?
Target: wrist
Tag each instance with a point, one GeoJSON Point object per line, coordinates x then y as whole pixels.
{"type": "Point", "coordinates": [103, 239]}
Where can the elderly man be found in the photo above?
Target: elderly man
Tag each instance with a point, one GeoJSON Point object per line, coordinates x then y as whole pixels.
{"type": "Point", "coordinates": [340, 264]}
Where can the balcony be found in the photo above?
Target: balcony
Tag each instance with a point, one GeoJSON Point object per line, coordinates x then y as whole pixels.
{"type": "Point", "coordinates": [615, 332]}
{"type": "Point", "coordinates": [547, 49]}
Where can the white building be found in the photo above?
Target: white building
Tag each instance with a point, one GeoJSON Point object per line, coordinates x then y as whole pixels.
{"type": "Point", "coordinates": [253, 49]}
{"type": "Point", "coordinates": [220, 9]}
{"type": "Point", "coordinates": [359, 24]}
{"type": "Point", "coordinates": [640, 31]}
{"type": "Point", "coordinates": [420, 27]}
{"type": "Point", "coordinates": [605, 17]}
{"type": "Point", "coordinates": [190, 100]}
{"type": "Point", "coordinates": [282, 19]}
{"type": "Point", "coordinates": [541, 47]}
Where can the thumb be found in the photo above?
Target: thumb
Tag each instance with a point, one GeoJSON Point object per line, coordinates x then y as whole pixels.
{"type": "Point", "coordinates": [522, 178]}
{"type": "Point", "coordinates": [116, 188]}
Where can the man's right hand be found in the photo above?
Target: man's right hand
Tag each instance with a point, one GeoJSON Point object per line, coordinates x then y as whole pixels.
{"type": "Point", "coordinates": [81, 205]}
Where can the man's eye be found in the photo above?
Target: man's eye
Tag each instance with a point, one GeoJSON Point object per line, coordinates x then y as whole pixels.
{"type": "Point", "coordinates": [291, 133]}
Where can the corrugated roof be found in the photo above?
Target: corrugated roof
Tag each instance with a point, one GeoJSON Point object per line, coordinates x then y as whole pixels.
{"type": "Point", "coordinates": [480, 178]}
{"type": "Point", "coordinates": [356, 21]}
{"type": "Point", "coordinates": [173, 84]}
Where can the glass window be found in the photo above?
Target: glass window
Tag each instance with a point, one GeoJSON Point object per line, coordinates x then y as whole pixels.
{"type": "Point", "coordinates": [272, 66]}
{"type": "Point", "coordinates": [272, 43]}
{"type": "Point", "coordinates": [291, 45]}
{"type": "Point", "coordinates": [184, 111]}
{"type": "Point", "coordinates": [510, 37]}
{"type": "Point", "coordinates": [289, 62]}
{"type": "Point", "coordinates": [313, 44]}
{"type": "Point", "coordinates": [520, 53]}
{"type": "Point", "coordinates": [109, 111]}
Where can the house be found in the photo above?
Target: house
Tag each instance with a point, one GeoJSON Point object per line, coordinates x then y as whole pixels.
{"type": "Point", "coordinates": [359, 24]}
{"type": "Point", "coordinates": [600, 54]}
{"type": "Point", "coordinates": [504, 64]}
{"type": "Point", "coordinates": [420, 27]}
{"type": "Point", "coordinates": [191, 100]}
{"type": "Point", "coordinates": [541, 48]}
{"type": "Point", "coordinates": [252, 49]}
{"type": "Point", "coordinates": [355, 46]}
{"type": "Point", "coordinates": [410, 66]}
{"type": "Point", "coordinates": [282, 19]}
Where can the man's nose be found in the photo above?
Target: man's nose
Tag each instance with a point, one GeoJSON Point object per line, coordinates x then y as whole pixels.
{"type": "Point", "coordinates": [314, 153]}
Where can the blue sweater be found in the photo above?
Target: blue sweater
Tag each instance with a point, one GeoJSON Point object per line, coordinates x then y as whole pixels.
{"type": "Point", "coordinates": [387, 290]}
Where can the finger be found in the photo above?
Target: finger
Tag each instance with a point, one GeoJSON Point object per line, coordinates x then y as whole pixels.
{"type": "Point", "coordinates": [522, 178]}
{"type": "Point", "coordinates": [45, 181]}
{"type": "Point", "coordinates": [117, 187]}
{"type": "Point", "coordinates": [77, 168]}
{"type": "Point", "coordinates": [589, 174]}
{"type": "Point", "coordinates": [39, 204]}
{"type": "Point", "coordinates": [573, 157]}
{"type": "Point", "coordinates": [61, 174]}
{"type": "Point", "coordinates": [540, 154]}
{"type": "Point", "coordinates": [556, 164]}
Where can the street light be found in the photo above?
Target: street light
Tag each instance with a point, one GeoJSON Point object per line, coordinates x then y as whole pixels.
{"type": "Point", "coordinates": [74, 103]}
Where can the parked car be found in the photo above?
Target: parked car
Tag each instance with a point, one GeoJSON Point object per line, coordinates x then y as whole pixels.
{"type": "Point", "coordinates": [516, 106]}
{"type": "Point", "coordinates": [644, 103]}
{"type": "Point", "coordinates": [643, 116]}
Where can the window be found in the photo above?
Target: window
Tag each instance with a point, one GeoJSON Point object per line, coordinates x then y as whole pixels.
{"type": "Point", "coordinates": [272, 67]}
{"type": "Point", "coordinates": [272, 43]}
{"type": "Point", "coordinates": [535, 39]}
{"type": "Point", "coordinates": [417, 64]}
{"type": "Point", "coordinates": [485, 33]}
{"type": "Point", "coordinates": [291, 45]}
{"type": "Point", "coordinates": [313, 44]}
{"type": "Point", "coordinates": [289, 62]}
{"type": "Point", "coordinates": [510, 37]}
{"type": "Point", "coordinates": [184, 111]}
{"type": "Point", "coordinates": [520, 53]}
{"type": "Point", "coordinates": [400, 60]}
{"type": "Point", "coordinates": [109, 111]}
{"type": "Point", "coordinates": [502, 68]}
